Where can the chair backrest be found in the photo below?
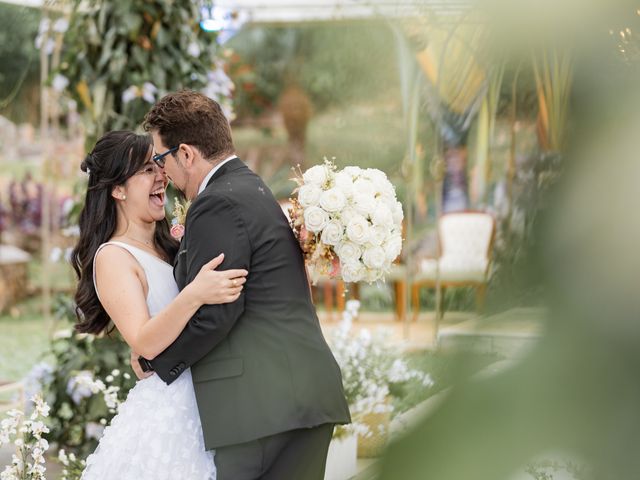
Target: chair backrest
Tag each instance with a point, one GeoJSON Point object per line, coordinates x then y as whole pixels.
{"type": "Point", "coordinates": [466, 234]}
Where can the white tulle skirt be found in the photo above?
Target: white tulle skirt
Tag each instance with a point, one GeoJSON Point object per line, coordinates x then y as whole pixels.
{"type": "Point", "coordinates": [156, 435]}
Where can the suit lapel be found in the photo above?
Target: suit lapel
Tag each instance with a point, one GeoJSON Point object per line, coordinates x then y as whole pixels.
{"type": "Point", "coordinates": [179, 264]}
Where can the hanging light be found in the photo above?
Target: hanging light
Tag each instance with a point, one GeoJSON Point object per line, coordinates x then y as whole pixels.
{"type": "Point", "coordinates": [213, 19]}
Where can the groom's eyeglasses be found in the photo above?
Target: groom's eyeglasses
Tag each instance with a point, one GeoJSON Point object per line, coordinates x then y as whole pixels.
{"type": "Point", "coordinates": [158, 158]}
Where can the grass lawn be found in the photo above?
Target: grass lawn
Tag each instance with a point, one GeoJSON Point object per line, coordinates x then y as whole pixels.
{"type": "Point", "coordinates": [23, 338]}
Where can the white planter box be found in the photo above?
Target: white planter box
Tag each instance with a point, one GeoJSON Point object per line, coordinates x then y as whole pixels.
{"type": "Point", "coordinates": [342, 458]}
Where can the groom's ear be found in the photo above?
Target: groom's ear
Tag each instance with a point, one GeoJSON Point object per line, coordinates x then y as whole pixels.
{"type": "Point", "coordinates": [188, 154]}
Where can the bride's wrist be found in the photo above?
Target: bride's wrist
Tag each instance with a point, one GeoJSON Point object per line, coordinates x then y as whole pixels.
{"type": "Point", "coordinates": [192, 296]}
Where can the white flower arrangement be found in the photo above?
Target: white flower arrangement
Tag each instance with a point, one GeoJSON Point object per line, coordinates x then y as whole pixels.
{"type": "Point", "coordinates": [369, 369]}
{"type": "Point", "coordinates": [348, 222]}
{"type": "Point", "coordinates": [31, 445]}
{"type": "Point", "coordinates": [83, 385]}
{"type": "Point", "coordinates": [73, 466]}
{"type": "Point", "coordinates": [28, 461]}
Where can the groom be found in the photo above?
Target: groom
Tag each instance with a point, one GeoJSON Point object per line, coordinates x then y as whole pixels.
{"type": "Point", "coordinates": [268, 389]}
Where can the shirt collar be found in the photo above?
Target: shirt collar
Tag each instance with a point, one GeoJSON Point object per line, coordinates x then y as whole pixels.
{"type": "Point", "coordinates": [212, 172]}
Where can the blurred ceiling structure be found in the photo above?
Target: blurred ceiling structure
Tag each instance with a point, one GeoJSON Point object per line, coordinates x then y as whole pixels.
{"type": "Point", "coordinates": [297, 11]}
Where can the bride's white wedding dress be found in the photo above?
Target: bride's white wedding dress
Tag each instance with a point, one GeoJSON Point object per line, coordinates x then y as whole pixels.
{"type": "Point", "coordinates": [157, 433]}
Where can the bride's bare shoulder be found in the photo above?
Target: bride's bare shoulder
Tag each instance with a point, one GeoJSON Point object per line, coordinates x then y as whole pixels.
{"type": "Point", "coordinates": [114, 257]}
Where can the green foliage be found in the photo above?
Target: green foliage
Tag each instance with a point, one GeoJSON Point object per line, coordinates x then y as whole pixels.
{"type": "Point", "coordinates": [547, 470]}
{"type": "Point", "coordinates": [19, 63]}
{"type": "Point", "coordinates": [517, 276]}
{"type": "Point", "coordinates": [446, 368]}
{"type": "Point", "coordinates": [333, 63]}
{"type": "Point", "coordinates": [70, 354]}
{"type": "Point", "coordinates": [135, 47]}
{"type": "Point", "coordinates": [83, 353]}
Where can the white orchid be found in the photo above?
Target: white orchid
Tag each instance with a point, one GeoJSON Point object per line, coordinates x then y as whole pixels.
{"type": "Point", "coordinates": [28, 462]}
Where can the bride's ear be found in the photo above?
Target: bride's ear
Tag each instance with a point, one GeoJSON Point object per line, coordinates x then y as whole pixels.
{"type": "Point", "coordinates": [118, 193]}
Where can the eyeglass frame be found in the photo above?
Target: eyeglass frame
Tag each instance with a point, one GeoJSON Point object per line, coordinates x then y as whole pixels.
{"type": "Point", "coordinates": [158, 158]}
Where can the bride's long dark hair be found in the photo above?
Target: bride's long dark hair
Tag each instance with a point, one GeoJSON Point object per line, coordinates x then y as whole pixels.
{"type": "Point", "coordinates": [116, 157]}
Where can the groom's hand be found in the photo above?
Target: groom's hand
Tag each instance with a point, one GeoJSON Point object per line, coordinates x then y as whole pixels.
{"type": "Point", "coordinates": [137, 369]}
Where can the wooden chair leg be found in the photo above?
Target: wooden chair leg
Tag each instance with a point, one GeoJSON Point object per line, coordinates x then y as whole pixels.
{"type": "Point", "coordinates": [355, 291]}
{"type": "Point", "coordinates": [328, 299]}
{"type": "Point", "coordinates": [340, 296]}
{"type": "Point", "coordinates": [415, 297]}
{"type": "Point", "coordinates": [443, 303]}
{"type": "Point", "coordinates": [481, 294]}
{"type": "Point", "coordinates": [400, 289]}
{"type": "Point", "coordinates": [439, 313]}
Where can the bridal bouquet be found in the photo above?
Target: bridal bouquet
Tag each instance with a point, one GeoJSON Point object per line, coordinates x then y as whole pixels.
{"type": "Point", "coordinates": [348, 222]}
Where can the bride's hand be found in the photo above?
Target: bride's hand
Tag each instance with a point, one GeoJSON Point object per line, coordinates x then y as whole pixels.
{"type": "Point", "coordinates": [135, 366]}
{"type": "Point", "coordinates": [214, 287]}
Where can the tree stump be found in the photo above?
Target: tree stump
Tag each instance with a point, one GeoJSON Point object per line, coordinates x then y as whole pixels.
{"type": "Point", "coordinates": [13, 276]}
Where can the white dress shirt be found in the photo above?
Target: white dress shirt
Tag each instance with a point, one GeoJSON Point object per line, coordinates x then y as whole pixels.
{"type": "Point", "coordinates": [214, 170]}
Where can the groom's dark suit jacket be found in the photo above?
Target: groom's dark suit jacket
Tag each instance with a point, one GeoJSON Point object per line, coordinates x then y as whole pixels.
{"type": "Point", "coordinates": [260, 365]}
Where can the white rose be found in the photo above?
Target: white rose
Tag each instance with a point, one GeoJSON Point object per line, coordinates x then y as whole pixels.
{"type": "Point", "coordinates": [373, 275]}
{"type": "Point", "coordinates": [315, 219]}
{"type": "Point", "coordinates": [364, 204]}
{"type": "Point", "coordinates": [389, 199]}
{"type": "Point", "coordinates": [332, 200]}
{"type": "Point", "coordinates": [352, 271]}
{"type": "Point", "coordinates": [358, 230]}
{"type": "Point", "coordinates": [378, 179]}
{"type": "Point", "coordinates": [382, 215]}
{"type": "Point", "coordinates": [393, 247]}
{"type": "Point", "coordinates": [398, 214]}
{"type": "Point", "coordinates": [353, 172]}
{"type": "Point", "coordinates": [317, 175]}
{"type": "Point", "coordinates": [348, 252]}
{"type": "Point", "coordinates": [378, 234]}
{"type": "Point", "coordinates": [344, 182]}
{"type": "Point", "coordinates": [364, 187]}
{"type": "Point", "coordinates": [309, 195]}
{"type": "Point", "coordinates": [386, 189]}
{"type": "Point", "coordinates": [347, 214]}
{"type": "Point", "coordinates": [332, 233]}
{"type": "Point", "coordinates": [374, 257]}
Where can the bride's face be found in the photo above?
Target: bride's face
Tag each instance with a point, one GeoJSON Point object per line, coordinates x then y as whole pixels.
{"type": "Point", "coordinates": [142, 196]}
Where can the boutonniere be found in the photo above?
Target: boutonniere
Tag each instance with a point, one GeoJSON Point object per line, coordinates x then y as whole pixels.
{"type": "Point", "coordinates": [179, 218]}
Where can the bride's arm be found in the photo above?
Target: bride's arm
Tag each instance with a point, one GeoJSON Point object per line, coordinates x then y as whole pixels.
{"type": "Point", "coordinates": [121, 283]}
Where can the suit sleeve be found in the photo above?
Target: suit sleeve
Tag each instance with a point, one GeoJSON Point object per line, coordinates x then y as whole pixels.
{"type": "Point", "coordinates": [214, 228]}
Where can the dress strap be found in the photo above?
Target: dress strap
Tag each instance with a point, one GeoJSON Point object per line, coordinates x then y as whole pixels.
{"type": "Point", "coordinates": [122, 245]}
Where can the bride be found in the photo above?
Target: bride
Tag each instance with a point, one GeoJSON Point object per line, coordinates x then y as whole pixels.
{"type": "Point", "coordinates": [123, 261]}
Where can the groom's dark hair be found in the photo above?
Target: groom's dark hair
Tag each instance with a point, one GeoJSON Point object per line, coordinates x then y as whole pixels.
{"type": "Point", "coordinates": [192, 118]}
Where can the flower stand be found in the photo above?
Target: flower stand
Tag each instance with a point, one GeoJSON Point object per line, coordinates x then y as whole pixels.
{"type": "Point", "coordinates": [341, 458]}
{"type": "Point", "coordinates": [374, 443]}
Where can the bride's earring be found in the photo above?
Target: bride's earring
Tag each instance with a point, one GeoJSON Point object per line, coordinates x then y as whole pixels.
{"type": "Point", "coordinates": [124, 197]}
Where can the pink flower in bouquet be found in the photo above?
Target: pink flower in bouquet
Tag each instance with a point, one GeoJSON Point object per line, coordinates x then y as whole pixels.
{"type": "Point", "coordinates": [177, 231]}
{"type": "Point", "coordinates": [304, 235]}
{"type": "Point", "coordinates": [335, 267]}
